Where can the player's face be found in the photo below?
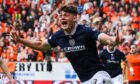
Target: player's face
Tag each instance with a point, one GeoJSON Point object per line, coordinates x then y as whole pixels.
{"type": "Point", "coordinates": [66, 20]}
{"type": "Point", "coordinates": [111, 47]}
{"type": "Point", "coordinates": [133, 49]}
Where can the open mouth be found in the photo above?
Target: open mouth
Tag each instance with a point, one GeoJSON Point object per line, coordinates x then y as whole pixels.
{"type": "Point", "coordinates": [64, 23]}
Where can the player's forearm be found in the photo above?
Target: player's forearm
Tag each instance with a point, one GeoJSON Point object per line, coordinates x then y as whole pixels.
{"type": "Point", "coordinates": [32, 44]}
{"type": "Point", "coordinates": [111, 41]}
{"type": "Point", "coordinates": [5, 70]}
{"type": "Point", "coordinates": [107, 40]}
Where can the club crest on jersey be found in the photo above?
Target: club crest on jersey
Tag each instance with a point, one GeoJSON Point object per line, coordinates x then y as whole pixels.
{"type": "Point", "coordinates": [112, 57]}
{"type": "Point", "coordinates": [72, 42]}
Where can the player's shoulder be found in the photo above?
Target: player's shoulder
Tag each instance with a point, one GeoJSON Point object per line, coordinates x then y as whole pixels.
{"type": "Point", "coordinates": [129, 56]}
{"type": "Point", "coordinates": [104, 51]}
{"type": "Point", "coordinates": [119, 51]}
{"type": "Point", "coordinates": [57, 34]}
{"type": "Point", "coordinates": [85, 28]}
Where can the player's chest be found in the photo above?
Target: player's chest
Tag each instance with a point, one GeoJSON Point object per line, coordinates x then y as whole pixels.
{"type": "Point", "coordinates": [73, 43]}
{"type": "Point", "coordinates": [135, 60]}
{"type": "Point", "coordinates": [112, 58]}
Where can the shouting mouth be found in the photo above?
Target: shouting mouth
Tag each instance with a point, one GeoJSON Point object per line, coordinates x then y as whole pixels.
{"type": "Point", "coordinates": [64, 24]}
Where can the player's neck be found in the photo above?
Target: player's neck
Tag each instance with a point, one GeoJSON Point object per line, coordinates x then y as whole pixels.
{"type": "Point", "coordinates": [134, 53]}
{"type": "Point", "coordinates": [70, 30]}
{"type": "Point", "coordinates": [111, 50]}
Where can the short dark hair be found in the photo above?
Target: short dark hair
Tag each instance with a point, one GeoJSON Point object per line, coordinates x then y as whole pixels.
{"type": "Point", "coordinates": [69, 9]}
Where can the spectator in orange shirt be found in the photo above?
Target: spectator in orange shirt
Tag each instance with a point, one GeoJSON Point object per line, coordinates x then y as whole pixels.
{"type": "Point", "coordinates": [62, 57]}
{"type": "Point", "coordinates": [40, 56]}
{"type": "Point", "coordinates": [134, 59]}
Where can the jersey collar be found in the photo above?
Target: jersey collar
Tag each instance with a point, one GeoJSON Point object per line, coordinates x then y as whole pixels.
{"type": "Point", "coordinates": [72, 32]}
{"type": "Point", "coordinates": [111, 51]}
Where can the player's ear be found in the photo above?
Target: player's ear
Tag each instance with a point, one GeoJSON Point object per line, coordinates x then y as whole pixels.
{"type": "Point", "coordinates": [75, 18]}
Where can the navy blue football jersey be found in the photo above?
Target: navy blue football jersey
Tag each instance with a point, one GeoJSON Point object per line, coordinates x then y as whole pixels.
{"type": "Point", "coordinates": [80, 49]}
{"type": "Point", "coordinates": [112, 61]}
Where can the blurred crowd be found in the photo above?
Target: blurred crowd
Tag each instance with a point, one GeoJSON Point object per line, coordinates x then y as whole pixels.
{"type": "Point", "coordinates": [38, 19]}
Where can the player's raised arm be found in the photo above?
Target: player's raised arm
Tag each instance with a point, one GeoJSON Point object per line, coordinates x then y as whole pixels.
{"type": "Point", "coordinates": [106, 39]}
{"type": "Point", "coordinates": [110, 40]}
{"type": "Point", "coordinates": [37, 45]}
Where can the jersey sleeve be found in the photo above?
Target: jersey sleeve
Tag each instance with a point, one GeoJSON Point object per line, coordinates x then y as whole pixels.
{"type": "Point", "coordinates": [94, 34]}
{"type": "Point", "coordinates": [52, 41]}
{"type": "Point", "coordinates": [101, 55]}
{"type": "Point", "coordinates": [123, 56]}
{"type": "Point", "coordinates": [120, 54]}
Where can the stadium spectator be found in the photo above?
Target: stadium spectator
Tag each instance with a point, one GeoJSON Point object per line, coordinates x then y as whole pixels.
{"type": "Point", "coordinates": [24, 15]}
{"type": "Point", "coordinates": [133, 57]}
{"type": "Point", "coordinates": [62, 57]}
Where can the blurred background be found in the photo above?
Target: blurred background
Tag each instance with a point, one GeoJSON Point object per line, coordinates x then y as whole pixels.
{"type": "Point", "coordinates": [37, 20]}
